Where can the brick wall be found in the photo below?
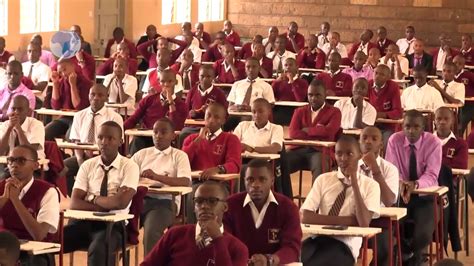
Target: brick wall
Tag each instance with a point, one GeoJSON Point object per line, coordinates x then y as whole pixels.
{"type": "Point", "coordinates": [350, 17]}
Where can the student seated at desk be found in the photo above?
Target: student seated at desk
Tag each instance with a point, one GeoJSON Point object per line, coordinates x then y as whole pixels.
{"type": "Point", "coordinates": [373, 58]}
{"type": "Point", "coordinates": [419, 57]}
{"type": "Point", "coordinates": [265, 221]}
{"type": "Point", "coordinates": [249, 48]}
{"type": "Point", "coordinates": [269, 42]}
{"type": "Point", "coordinates": [121, 86]}
{"type": "Point", "coordinates": [280, 54]}
{"type": "Point", "coordinates": [406, 44]}
{"type": "Point", "coordinates": [161, 43]}
{"type": "Point", "coordinates": [36, 70]}
{"type": "Point", "coordinates": [289, 86]}
{"type": "Point", "coordinates": [444, 53]}
{"type": "Point", "coordinates": [385, 174]}
{"type": "Point", "coordinates": [466, 49]}
{"type": "Point", "coordinates": [29, 207]}
{"type": "Point", "coordinates": [266, 64]}
{"type": "Point", "coordinates": [46, 56]}
{"type": "Point", "coordinates": [85, 128]}
{"type": "Point", "coordinates": [334, 46]}
{"type": "Point", "coordinates": [421, 95]}
{"type": "Point", "coordinates": [165, 165]}
{"type": "Point", "coordinates": [316, 121]}
{"type": "Point", "coordinates": [152, 83]}
{"type": "Point", "coordinates": [156, 106]}
{"type": "Point", "coordinates": [213, 51]}
{"type": "Point", "coordinates": [417, 155]}
{"type": "Point", "coordinates": [359, 69]}
{"type": "Point", "coordinates": [345, 197]}
{"type": "Point", "coordinates": [5, 56]}
{"type": "Point", "coordinates": [467, 78]}
{"type": "Point", "coordinates": [205, 243]}
{"type": "Point", "coordinates": [311, 56]}
{"type": "Point", "coordinates": [323, 34]}
{"type": "Point", "coordinates": [336, 82]}
{"type": "Point", "coordinates": [105, 183]}
{"type": "Point", "coordinates": [397, 63]}
{"type": "Point", "coordinates": [150, 35]}
{"type": "Point", "coordinates": [85, 45]}
{"type": "Point", "coordinates": [9, 249]}
{"type": "Point", "coordinates": [294, 39]}
{"type": "Point", "coordinates": [71, 92]}
{"type": "Point", "coordinates": [231, 36]}
{"type": "Point", "coordinates": [455, 151]}
{"type": "Point", "coordinates": [355, 111]}
{"type": "Point", "coordinates": [203, 37]}
{"type": "Point", "coordinates": [187, 69]}
{"type": "Point", "coordinates": [364, 45]}
{"type": "Point", "coordinates": [382, 41]}
{"type": "Point", "coordinates": [451, 90]}
{"type": "Point", "coordinates": [229, 69]}
{"type": "Point", "coordinates": [119, 37]}
{"type": "Point", "coordinates": [122, 52]}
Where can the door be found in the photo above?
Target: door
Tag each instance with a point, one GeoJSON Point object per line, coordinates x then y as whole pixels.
{"type": "Point", "coordinates": [108, 15]}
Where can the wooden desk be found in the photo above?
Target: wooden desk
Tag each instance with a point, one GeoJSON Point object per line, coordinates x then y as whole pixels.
{"type": "Point", "coordinates": [217, 177]}
{"type": "Point", "coordinates": [194, 122]}
{"type": "Point", "coordinates": [389, 218]}
{"type": "Point", "coordinates": [100, 77]}
{"type": "Point", "coordinates": [333, 99]}
{"type": "Point", "coordinates": [389, 121]}
{"type": "Point", "coordinates": [139, 132]}
{"type": "Point", "coordinates": [302, 69]}
{"type": "Point", "coordinates": [462, 174]}
{"type": "Point", "coordinates": [120, 107]}
{"type": "Point", "coordinates": [235, 113]}
{"type": "Point", "coordinates": [37, 93]}
{"type": "Point", "coordinates": [352, 231]}
{"type": "Point", "coordinates": [141, 73]}
{"type": "Point", "coordinates": [44, 111]}
{"type": "Point", "coordinates": [74, 146]}
{"type": "Point", "coordinates": [38, 248]}
{"type": "Point", "coordinates": [291, 104]}
{"type": "Point", "coordinates": [264, 156]}
{"type": "Point", "coordinates": [223, 85]}
{"type": "Point", "coordinates": [469, 99]}
{"type": "Point", "coordinates": [354, 131]}
{"type": "Point", "coordinates": [469, 67]}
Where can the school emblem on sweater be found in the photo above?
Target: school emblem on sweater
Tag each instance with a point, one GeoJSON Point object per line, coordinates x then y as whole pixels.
{"type": "Point", "coordinates": [210, 262]}
{"type": "Point", "coordinates": [340, 84]}
{"type": "Point", "coordinates": [450, 153]}
{"type": "Point", "coordinates": [387, 105]}
{"type": "Point", "coordinates": [273, 235]}
{"type": "Point", "coordinates": [465, 81]}
{"type": "Point", "coordinates": [219, 149]}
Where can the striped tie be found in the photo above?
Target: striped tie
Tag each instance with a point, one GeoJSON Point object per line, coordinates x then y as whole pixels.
{"type": "Point", "coordinates": [336, 207]}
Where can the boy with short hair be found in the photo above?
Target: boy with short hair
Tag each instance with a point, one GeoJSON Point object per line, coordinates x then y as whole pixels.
{"type": "Point", "coordinates": [311, 56]}
{"type": "Point", "coordinates": [451, 90]}
{"type": "Point", "coordinates": [467, 78]}
{"type": "Point", "coordinates": [232, 37]}
{"type": "Point", "coordinates": [289, 86]}
{"type": "Point", "coordinates": [295, 40]}
{"type": "Point", "coordinates": [187, 69]}
{"type": "Point", "coordinates": [421, 95]}
{"type": "Point", "coordinates": [405, 45]}
{"type": "Point", "coordinates": [334, 46]}
{"type": "Point", "coordinates": [280, 54]}
{"type": "Point", "coordinates": [5, 56]}
{"type": "Point", "coordinates": [323, 34]}
{"type": "Point", "coordinates": [213, 51]}
{"type": "Point", "coordinates": [419, 57]}
{"type": "Point", "coordinates": [397, 63]}
{"type": "Point", "coordinates": [359, 69]}
{"type": "Point", "coordinates": [266, 64]}
{"type": "Point", "coordinates": [382, 41]}
{"type": "Point", "coordinates": [122, 52]}
{"type": "Point", "coordinates": [466, 49]}
{"type": "Point", "coordinates": [364, 45]}
{"type": "Point", "coordinates": [336, 82]}
{"type": "Point", "coordinates": [269, 42]}
{"type": "Point", "coordinates": [443, 54]}
{"type": "Point", "coordinates": [9, 249]}
{"type": "Point", "coordinates": [248, 49]}
{"type": "Point", "coordinates": [229, 69]}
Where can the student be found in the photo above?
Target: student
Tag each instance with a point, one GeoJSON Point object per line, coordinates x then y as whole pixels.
{"type": "Point", "coordinates": [406, 44]}
{"type": "Point", "coordinates": [466, 49]}
{"type": "Point", "coordinates": [451, 90]}
{"type": "Point", "coordinates": [359, 69]}
{"type": "Point", "coordinates": [46, 56]}
{"type": "Point", "coordinates": [84, 63]}
{"type": "Point", "coordinates": [266, 64]}
{"type": "Point", "coordinates": [36, 70]}
{"type": "Point", "coordinates": [156, 106]}
{"type": "Point", "coordinates": [245, 91]}
{"type": "Point", "coordinates": [373, 58]}
{"type": "Point", "coordinates": [280, 54]}
{"type": "Point", "coordinates": [229, 68]}
{"type": "Point", "coordinates": [5, 56]}
{"type": "Point", "coordinates": [269, 42]}
{"type": "Point", "coordinates": [119, 37]}
{"type": "Point", "coordinates": [289, 86]}
{"type": "Point", "coordinates": [364, 45]}
{"type": "Point", "coordinates": [455, 151]}
{"type": "Point", "coordinates": [397, 63]}
{"type": "Point", "coordinates": [323, 34]}
{"type": "Point", "coordinates": [355, 111]}
{"type": "Point", "coordinates": [187, 70]}
{"type": "Point", "coordinates": [85, 128]}
{"type": "Point", "coordinates": [85, 46]}
{"type": "Point", "coordinates": [150, 35]}
{"type": "Point", "coordinates": [29, 207]}
{"type": "Point", "coordinates": [9, 249]}
{"type": "Point", "coordinates": [294, 40]}
{"type": "Point", "coordinates": [265, 221]}
{"type": "Point", "coordinates": [382, 41]}
{"type": "Point", "coordinates": [421, 95]}
{"type": "Point", "coordinates": [165, 165]}
{"type": "Point", "coordinates": [311, 56]}
{"type": "Point", "coordinates": [336, 82]}
{"type": "Point", "coordinates": [205, 243]}
{"type": "Point", "coordinates": [122, 52]}
{"type": "Point", "coordinates": [420, 57]}
{"type": "Point", "coordinates": [151, 55]}
{"type": "Point", "coordinates": [385, 174]}
{"type": "Point", "coordinates": [443, 54]}
{"type": "Point", "coordinates": [417, 155]}
{"type": "Point", "coordinates": [248, 48]}
{"type": "Point", "coordinates": [71, 92]}
{"type": "Point", "coordinates": [213, 51]}
{"type": "Point", "coordinates": [316, 121]}
{"type": "Point", "coordinates": [152, 82]}
{"type": "Point", "coordinates": [345, 197]}
{"type": "Point", "coordinates": [232, 37]}
{"type": "Point", "coordinates": [121, 86]}
{"type": "Point", "coordinates": [105, 183]}
{"type": "Point", "coordinates": [20, 129]}
{"type": "Point", "coordinates": [334, 46]}
{"type": "Point", "coordinates": [203, 37]}
{"type": "Point", "coordinates": [467, 78]}
{"type": "Point", "coordinates": [192, 44]}
{"type": "Point", "coordinates": [12, 88]}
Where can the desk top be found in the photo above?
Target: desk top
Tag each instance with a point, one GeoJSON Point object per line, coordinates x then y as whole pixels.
{"type": "Point", "coordinates": [291, 103]}
{"type": "Point", "coordinates": [265, 156]}
{"type": "Point", "coordinates": [234, 113]}
{"type": "Point", "coordinates": [302, 142]}
{"type": "Point", "coordinates": [471, 151]}
{"type": "Point", "coordinates": [44, 111]}
{"type": "Point", "coordinates": [389, 121]}
{"type": "Point", "coordinates": [217, 177]}
{"type": "Point", "coordinates": [393, 212]}
{"type": "Point", "coordinates": [139, 132]}
{"type": "Point", "coordinates": [336, 98]}
{"type": "Point", "coordinates": [116, 105]}
{"type": "Point", "coordinates": [227, 85]}
{"type": "Point", "coordinates": [302, 69]}
{"type": "Point", "coordinates": [165, 189]}
{"type": "Point", "coordinates": [460, 171]}
{"type": "Point", "coordinates": [74, 146]}
{"type": "Point", "coordinates": [37, 247]}
{"type": "Point", "coordinates": [401, 81]}
{"type": "Point", "coordinates": [469, 99]}
{"type": "Point", "coordinates": [435, 191]}
{"type": "Point", "coordinates": [88, 215]}
{"type": "Point", "coordinates": [468, 67]}
{"type": "Point", "coordinates": [194, 122]}
{"type": "Point", "coordinates": [351, 231]}
{"type": "Point", "coordinates": [354, 131]}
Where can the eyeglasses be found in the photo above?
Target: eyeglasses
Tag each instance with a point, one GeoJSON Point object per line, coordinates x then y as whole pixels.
{"type": "Point", "coordinates": [212, 201]}
{"type": "Point", "coordinates": [19, 160]}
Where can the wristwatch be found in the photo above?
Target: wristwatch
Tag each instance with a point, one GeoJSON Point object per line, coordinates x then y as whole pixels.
{"type": "Point", "coordinates": [90, 198]}
{"type": "Point", "coordinates": [221, 169]}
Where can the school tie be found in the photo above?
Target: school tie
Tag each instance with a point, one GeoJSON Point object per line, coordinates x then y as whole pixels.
{"type": "Point", "coordinates": [105, 181]}
{"type": "Point", "coordinates": [31, 71]}
{"type": "Point", "coordinates": [336, 207]}
{"type": "Point", "coordinates": [248, 93]}
{"type": "Point", "coordinates": [392, 70]}
{"type": "Point", "coordinates": [7, 103]}
{"type": "Point", "coordinates": [187, 80]}
{"type": "Point", "coordinates": [280, 64]}
{"type": "Point", "coordinates": [408, 48]}
{"type": "Point", "coordinates": [14, 141]}
{"type": "Point", "coordinates": [91, 133]}
{"type": "Point", "coordinates": [210, 136]}
{"type": "Point", "coordinates": [445, 85]}
{"type": "Point", "coordinates": [413, 176]}
{"type": "Point", "coordinates": [203, 240]}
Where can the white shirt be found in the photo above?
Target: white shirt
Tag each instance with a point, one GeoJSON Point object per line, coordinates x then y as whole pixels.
{"type": "Point", "coordinates": [146, 85]}
{"type": "Point", "coordinates": [49, 207]}
{"type": "Point", "coordinates": [349, 111]}
{"type": "Point", "coordinates": [403, 65]}
{"type": "Point", "coordinates": [282, 58]}
{"type": "Point", "coordinates": [129, 85]}
{"type": "Point", "coordinates": [248, 133]}
{"type": "Point", "coordinates": [215, 134]}
{"type": "Point", "coordinates": [389, 173]}
{"type": "Point", "coordinates": [403, 44]}
{"type": "Point", "coordinates": [314, 113]}
{"type": "Point", "coordinates": [340, 48]}
{"type": "Point", "coordinates": [124, 173]}
{"type": "Point", "coordinates": [454, 89]}
{"type": "Point", "coordinates": [322, 40]}
{"type": "Point", "coordinates": [424, 98]}
{"type": "Point", "coordinates": [445, 140]}
{"type": "Point", "coordinates": [34, 132]}
{"type": "Point", "coordinates": [256, 215]}
{"type": "Point", "coordinates": [268, 48]}
{"type": "Point", "coordinates": [363, 48]}
{"type": "Point", "coordinates": [441, 59]}
{"type": "Point", "coordinates": [41, 71]}
{"type": "Point", "coordinates": [3, 77]}
{"type": "Point", "coordinates": [260, 89]}
{"type": "Point", "coordinates": [81, 122]}
{"type": "Point", "coordinates": [169, 162]}
{"type": "Point", "coordinates": [324, 192]}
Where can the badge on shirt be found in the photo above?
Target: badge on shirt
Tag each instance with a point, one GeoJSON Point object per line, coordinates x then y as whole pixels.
{"type": "Point", "coordinates": [465, 81]}
{"type": "Point", "coordinates": [209, 101]}
{"type": "Point", "coordinates": [219, 149]}
{"type": "Point", "coordinates": [387, 105]}
{"type": "Point", "coordinates": [450, 153]}
{"type": "Point", "coordinates": [340, 84]}
{"type": "Point", "coordinates": [273, 235]}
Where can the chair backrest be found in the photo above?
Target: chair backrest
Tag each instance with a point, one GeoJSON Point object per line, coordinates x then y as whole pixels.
{"type": "Point", "coordinates": [136, 208]}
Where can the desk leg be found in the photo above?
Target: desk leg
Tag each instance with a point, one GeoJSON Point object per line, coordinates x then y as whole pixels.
{"type": "Point", "coordinates": [441, 229]}
{"type": "Point", "coordinates": [399, 243]}
{"type": "Point", "coordinates": [184, 201]}
{"type": "Point", "coordinates": [374, 258]}
{"type": "Point", "coordinates": [324, 154]}
{"type": "Point", "coordinates": [124, 244]}
{"type": "Point", "coordinates": [127, 143]}
{"type": "Point", "coordinates": [108, 233]}
{"type": "Point", "coordinates": [437, 234]}
{"type": "Point", "coordinates": [390, 243]}
{"type": "Point", "coordinates": [466, 217]}
{"type": "Point", "coordinates": [364, 250]}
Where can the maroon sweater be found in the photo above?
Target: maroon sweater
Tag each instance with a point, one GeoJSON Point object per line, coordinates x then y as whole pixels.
{"type": "Point", "coordinates": [266, 64]}
{"type": "Point", "coordinates": [355, 47]}
{"type": "Point", "coordinates": [467, 78]}
{"type": "Point", "coordinates": [154, 80]}
{"type": "Point", "coordinates": [194, 99]}
{"type": "Point", "coordinates": [469, 56]}
{"type": "Point", "coordinates": [206, 37]}
{"type": "Point", "coordinates": [246, 51]}
{"type": "Point", "coordinates": [151, 57]}
{"type": "Point", "coordinates": [325, 126]}
{"type": "Point", "coordinates": [4, 58]}
{"type": "Point", "coordinates": [178, 247]}
{"type": "Point", "coordinates": [295, 91]}
{"type": "Point", "coordinates": [223, 150]}
{"type": "Point", "coordinates": [279, 234]}
{"type": "Point", "coordinates": [233, 38]}
{"type": "Point", "coordinates": [194, 74]}
{"type": "Point", "coordinates": [9, 218]}
{"type": "Point", "coordinates": [223, 76]}
{"type": "Point", "coordinates": [131, 47]}
{"type": "Point", "coordinates": [65, 100]}
{"type": "Point", "coordinates": [108, 67]}
{"type": "Point", "coordinates": [299, 40]}
{"type": "Point", "coordinates": [383, 46]}
{"type": "Point", "coordinates": [387, 100]}
{"type": "Point", "coordinates": [341, 83]}
{"type": "Point", "coordinates": [313, 60]}
{"type": "Point", "coordinates": [455, 153]}
{"type": "Point", "coordinates": [212, 54]}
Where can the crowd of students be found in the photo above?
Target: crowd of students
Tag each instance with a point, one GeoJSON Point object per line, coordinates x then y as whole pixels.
{"type": "Point", "coordinates": [260, 224]}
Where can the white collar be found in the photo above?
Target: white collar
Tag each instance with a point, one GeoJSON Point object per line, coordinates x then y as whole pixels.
{"type": "Point", "coordinates": [115, 164]}
{"type": "Point", "coordinates": [216, 134]}
{"type": "Point", "coordinates": [165, 152]}
{"type": "Point", "coordinates": [206, 92]}
{"type": "Point", "coordinates": [25, 189]}
{"type": "Point", "coordinates": [467, 51]}
{"type": "Point", "coordinates": [445, 140]}
{"type": "Point", "coordinates": [335, 73]}
{"type": "Point", "coordinates": [230, 33]}
{"type": "Point", "coordinates": [270, 198]}
{"type": "Point", "coordinates": [227, 67]}
{"type": "Point", "coordinates": [100, 112]}
{"type": "Point", "coordinates": [257, 215]}
{"type": "Point", "coordinates": [320, 108]}
{"type": "Point", "coordinates": [459, 74]}
{"type": "Point", "coordinates": [198, 230]}
{"type": "Point", "coordinates": [266, 127]}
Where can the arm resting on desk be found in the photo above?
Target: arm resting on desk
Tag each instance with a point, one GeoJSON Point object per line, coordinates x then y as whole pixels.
{"type": "Point", "coordinates": [78, 202]}
{"type": "Point", "coordinates": [274, 148]}
{"type": "Point", "coordinates": [118, 201]}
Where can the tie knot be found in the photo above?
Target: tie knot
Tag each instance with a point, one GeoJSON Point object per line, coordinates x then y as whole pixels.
{"type": "Point", "coordinates": [210, 136]}
{"type": "Point", "coordinates": [412, 147]}
{"type": "Point", "coordinates": [105, 168]}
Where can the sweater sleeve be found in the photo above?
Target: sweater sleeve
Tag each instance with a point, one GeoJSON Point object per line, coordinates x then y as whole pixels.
{"type": "Point", "coordinates": [461, 157]}
{"type": "Point", "coordinates": [397, 111]}
{"type": "Point", "coordinates": [290, 246]}
{"type": "Point", "coordinates": [190, 147]}
{"type": "Point", "coordinates": [179, 116]}
{"type": "Point", "coordinates": [233, 159]}
{"type": "Point", "coordinates": [137, 115]}
{"type": "Point", "coordinates": [89, 69]}
{"type": "Point", "coordinates": [296, 125]}
{"type": "Point", "coordinates": [83, 85]}
{"type": "Point", "coordinates": [233, 254]}
{"type": "Point", "coordinates": [299, 88]}
{"type": "Point", "coordinates": [104, 68]}
{"type": "Point", "coordinates": [329, 130]}
{"type": "Point", "coordinates": [159, 255]}
{"type": "Point", "coordinates": [143, 49]}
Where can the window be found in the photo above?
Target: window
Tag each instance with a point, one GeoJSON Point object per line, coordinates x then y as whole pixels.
{"type": "Point", "coordinates": [211, 10]}
{"type": "Point", "coordinates": [39, 15]}
{"type": "Point", "coordinates": [176, 11]}
{"type": "Point", "coordinates": [3, 17]}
